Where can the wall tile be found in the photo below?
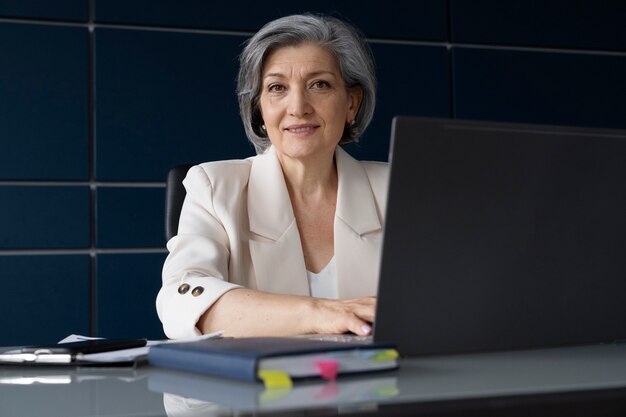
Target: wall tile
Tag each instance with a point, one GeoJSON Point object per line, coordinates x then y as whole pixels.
{"type": "Point", "coordinates": [586, 24]}
{"type": "Point", "coordinates": [417, 19]}
{"type": "Point", "coordinates": [126, 295]}
{"type": "Point", "coordinates": [412, 80]}
{"type": "Point", "coordinates": [130, 217]}
{"type": "Point", "coordinates": [44, 217]}
{"type": "Point", "coordinates": [55, 10]}
{"type": "Point", "coordinates": [43, 105]}
{"type": "Point", "coordinates": [539, 87]}
{"type": "Point", "coordinates": [44, 298]}
{"type": "Point", "coordinates": [165, 99]}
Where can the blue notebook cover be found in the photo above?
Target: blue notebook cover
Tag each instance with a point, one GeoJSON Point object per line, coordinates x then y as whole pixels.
{"type": "Point", "coordinates": [241, 358]}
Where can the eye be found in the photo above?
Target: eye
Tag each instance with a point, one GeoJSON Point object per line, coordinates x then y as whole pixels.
{"type": "Point", "coordinates": [275, 88]}
{"type": "Point", "coordinates": [320, 84]}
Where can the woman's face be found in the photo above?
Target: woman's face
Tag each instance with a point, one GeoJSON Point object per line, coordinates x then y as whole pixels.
{"type": "Point", "coordinates": [304, 102]}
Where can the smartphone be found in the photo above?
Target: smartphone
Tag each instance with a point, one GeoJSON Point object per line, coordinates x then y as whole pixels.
{"type": "Point", "coordinates": [86, 346]}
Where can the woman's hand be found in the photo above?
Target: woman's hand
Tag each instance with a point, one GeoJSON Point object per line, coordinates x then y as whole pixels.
{"type": "Point", "coordinates": [341, 316]}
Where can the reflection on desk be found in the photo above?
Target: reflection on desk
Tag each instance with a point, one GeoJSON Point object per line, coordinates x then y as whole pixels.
{"type": "Point", "coordinates": [583, 380]}
{"type": "Point", "coordinates": [76, 392]}
{"type": "Point", "coordinates": [185, 394]}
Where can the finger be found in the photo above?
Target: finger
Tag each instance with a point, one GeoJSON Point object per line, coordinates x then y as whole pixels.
{"type": "Point", "coordinates": [360, 327]}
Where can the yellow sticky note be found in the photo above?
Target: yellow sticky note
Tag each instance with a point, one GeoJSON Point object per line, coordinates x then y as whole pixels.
{"type": "Point", "coordinates": [386, 355]}
{"type": "Point", "coordinates": [275, 379]}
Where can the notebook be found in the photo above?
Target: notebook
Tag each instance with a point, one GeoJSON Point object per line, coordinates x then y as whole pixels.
{"type": "Point", "coordinates": [502, 236]}
{"type": "Point", "coordinates": [273, 359]}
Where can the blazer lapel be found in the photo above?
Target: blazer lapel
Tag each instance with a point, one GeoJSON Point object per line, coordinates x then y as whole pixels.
{"type": "Point", "coordinates": [358, 230]}
{"type": "Point", "coordinates": [275, 246]}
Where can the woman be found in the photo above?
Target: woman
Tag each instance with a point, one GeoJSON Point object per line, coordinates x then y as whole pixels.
{"type": "Point", "coordinates": [286, 242]}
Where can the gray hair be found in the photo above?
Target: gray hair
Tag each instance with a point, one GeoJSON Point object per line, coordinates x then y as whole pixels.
{"type": "Point", "coordinates": [345, 42]}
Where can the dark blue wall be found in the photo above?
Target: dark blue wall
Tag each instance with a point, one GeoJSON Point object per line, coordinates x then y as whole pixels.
{"type": "Point", "coordinates": [99, 98]}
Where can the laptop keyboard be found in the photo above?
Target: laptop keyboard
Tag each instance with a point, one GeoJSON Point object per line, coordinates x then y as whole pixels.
{"type": "Point", "coordinates": [340, 338]}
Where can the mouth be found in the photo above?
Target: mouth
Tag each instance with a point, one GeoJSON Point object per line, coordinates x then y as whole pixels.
{"type": "Point", "coordinates": [301, 130]}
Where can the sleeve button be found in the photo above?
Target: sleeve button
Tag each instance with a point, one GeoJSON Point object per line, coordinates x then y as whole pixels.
{"type": "Point", "coordinates": [197, 291]}
{"type": "Point", "coordinates": [183, 288]}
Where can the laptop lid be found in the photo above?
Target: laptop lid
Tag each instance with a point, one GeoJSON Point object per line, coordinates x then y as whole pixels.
{"type": "Point", "coordinates": [502, 236]}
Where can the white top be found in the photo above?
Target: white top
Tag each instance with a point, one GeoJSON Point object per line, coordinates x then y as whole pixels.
{"type": "Point", "coordinates": [324, 283]}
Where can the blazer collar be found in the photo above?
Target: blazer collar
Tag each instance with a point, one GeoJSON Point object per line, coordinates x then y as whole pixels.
{"type": "Point", "coordinates": [356, 205]}
{"type": "Point", "coordinates": [269, 206]}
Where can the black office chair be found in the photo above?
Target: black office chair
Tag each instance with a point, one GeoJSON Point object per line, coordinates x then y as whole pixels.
{"type": "Point", "coordinates": [174, 196]}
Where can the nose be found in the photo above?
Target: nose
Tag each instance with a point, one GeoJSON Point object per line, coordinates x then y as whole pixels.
{"type": "Point", "coordinates": [299, 104]}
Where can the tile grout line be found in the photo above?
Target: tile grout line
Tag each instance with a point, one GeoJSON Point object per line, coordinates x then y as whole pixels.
{"type": "Point", "coordinates": [93, 296]}
{"type": "Point", "coordinates": [101, 184]}
{"type": "Point", "coordinates": [92, 189]}
{"type": "Point", "coordinates": [450, 52]}
{"type": "Point", "coordinates": [126, 26]}
{"type": "Point", "coordinates": [85, 251]}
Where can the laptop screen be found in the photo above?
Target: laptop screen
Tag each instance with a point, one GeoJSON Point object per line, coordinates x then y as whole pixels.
{"type": "Point", "coordinates": [502, 236]}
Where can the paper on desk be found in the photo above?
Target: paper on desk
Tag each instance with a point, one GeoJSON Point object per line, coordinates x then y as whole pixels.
{"type": "Point", "coordinates": [132, 354]}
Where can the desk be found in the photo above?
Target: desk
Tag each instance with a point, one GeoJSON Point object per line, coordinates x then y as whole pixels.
{"type": "Point", "coordinates": [583, 380]}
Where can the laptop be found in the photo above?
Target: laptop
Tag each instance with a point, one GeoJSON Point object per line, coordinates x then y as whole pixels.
{"type": "Point", "coordinates": [502, 236]}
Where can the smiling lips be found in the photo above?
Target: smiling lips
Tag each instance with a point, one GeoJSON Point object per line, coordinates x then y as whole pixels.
{"type": "Point", "coordinates": [302, 130]}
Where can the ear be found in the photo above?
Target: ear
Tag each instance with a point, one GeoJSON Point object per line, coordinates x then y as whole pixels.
{"type": "Point", "coordinates": [355, 97]}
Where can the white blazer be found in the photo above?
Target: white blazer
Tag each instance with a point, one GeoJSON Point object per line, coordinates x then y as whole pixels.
{"type": "Point", "coordinates": [237, 228]}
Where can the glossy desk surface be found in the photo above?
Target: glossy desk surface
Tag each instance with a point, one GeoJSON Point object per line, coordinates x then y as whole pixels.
{"type": "Point", "coordinates": [511, 382]}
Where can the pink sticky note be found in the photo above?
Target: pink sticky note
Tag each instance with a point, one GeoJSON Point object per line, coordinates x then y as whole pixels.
{"type": "Point", "coordinates": [328, 368]}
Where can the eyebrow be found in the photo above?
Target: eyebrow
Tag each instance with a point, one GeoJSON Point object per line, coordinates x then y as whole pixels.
{"type": "Point", "coordinates": [310, 74]}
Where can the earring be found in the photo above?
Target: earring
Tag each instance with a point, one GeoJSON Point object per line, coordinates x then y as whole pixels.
{"type": "Point", "coordinates": [352, 122]}
{"type": "Point", "coordinates": [263, 128]}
